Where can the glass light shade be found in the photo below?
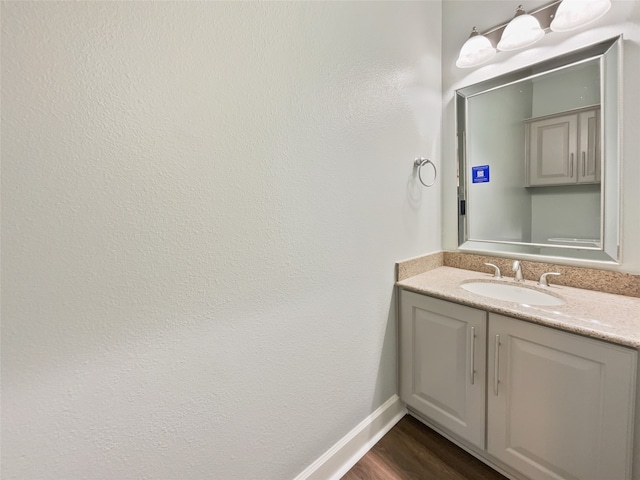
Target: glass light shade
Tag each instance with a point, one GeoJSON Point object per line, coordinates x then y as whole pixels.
{"type": "Point", "coordinates": [475, 51]}
{"type": "Point", "coordinates": [572, 14]}
{"type": "Point", "coordinates": [522, 31]}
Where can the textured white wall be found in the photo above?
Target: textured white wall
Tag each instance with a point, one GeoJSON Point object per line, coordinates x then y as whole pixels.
{"type": "Point", "coordinates": [459, 16]}
{"type": "Point", "coordinates": [201, 207]}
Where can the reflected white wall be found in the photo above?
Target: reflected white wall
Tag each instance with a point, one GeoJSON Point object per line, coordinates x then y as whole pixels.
{"type": "Point", "coordinates": [499, 209]}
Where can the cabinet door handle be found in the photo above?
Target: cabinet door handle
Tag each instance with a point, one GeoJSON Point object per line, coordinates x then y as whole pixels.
{"type": "Point", "coordinates": [571, 167]}
{"type": "Point", "coordinates": [495, 365]}
{"type": "Point", "coordinates": [584, 164]}
{"type": "Point", "coordinates": [472, 366]}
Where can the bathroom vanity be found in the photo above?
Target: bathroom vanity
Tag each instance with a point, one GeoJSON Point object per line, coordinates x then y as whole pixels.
{"type": "Point", "coordinates": [538, 381]}
{"type": "Point", "coordinates": [536, 391]}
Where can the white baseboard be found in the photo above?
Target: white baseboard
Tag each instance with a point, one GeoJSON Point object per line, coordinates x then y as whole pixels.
{"type": "Point", "coordinates": [337, 461]}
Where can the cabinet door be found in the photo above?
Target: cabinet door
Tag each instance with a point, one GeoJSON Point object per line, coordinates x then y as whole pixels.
{"type": "Point", "coordinates": [552, 150]}
{"type": "Point", "coordinates": [589, 151]}
{"type": "Point", "coordinates": [442, 363]}
{"type": "Point", "coordinates": [559, 406]}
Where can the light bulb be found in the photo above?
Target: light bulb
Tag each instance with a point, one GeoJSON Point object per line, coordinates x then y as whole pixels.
{"type": "Point", "coordinates": [475, 51]}
{"type": "Point", "coordinates": [522, 31]}
{"type": "Point", "coordinates": [572, 14]}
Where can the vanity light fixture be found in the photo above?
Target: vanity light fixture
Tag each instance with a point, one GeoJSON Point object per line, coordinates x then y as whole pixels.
{"type": "Point", "coordinates": [475, 51]}
{"type": "Point", "coordinates": [522, 31]}
{"type": "Point", "coordinates": [572, 14]}
{"type": "Point", "coordinates": [526, 29]}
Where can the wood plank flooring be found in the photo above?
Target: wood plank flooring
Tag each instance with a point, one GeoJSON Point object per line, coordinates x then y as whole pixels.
{"type": "Point", "coordinates": [412, 451]}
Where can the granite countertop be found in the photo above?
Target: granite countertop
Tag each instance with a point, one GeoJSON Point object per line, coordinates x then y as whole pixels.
{"type": "Point", "coordinates": [615, 318]}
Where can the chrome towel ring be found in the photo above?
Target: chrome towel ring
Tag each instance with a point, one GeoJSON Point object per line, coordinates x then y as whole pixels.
{"type": "Point", "coordinates": [421, 162]}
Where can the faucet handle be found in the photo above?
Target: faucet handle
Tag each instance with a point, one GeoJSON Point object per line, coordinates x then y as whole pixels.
{"type": "Point", "coordinates": [543, 282]}
{"type": "Point", "coordinates": [496, 272]}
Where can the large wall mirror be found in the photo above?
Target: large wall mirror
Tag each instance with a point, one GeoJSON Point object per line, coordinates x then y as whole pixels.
{"type": "Point", "coordinates": [539, 158]}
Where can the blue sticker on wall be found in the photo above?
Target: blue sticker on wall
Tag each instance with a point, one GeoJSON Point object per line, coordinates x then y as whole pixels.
{"type": "Point", "coordinates": [480, 174]}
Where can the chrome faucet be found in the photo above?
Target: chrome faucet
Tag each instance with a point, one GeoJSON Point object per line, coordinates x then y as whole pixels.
{"type": "Point", "coordinates": [518, 269]}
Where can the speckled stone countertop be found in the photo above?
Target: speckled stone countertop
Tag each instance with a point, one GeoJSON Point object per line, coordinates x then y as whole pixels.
{"type": "Point", "coordinates": [615, 318]}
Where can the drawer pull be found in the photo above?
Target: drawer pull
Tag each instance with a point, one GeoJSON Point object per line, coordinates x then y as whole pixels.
{"type": "Point", "coordinates": [496, 361]}
{"type": "Point", "coordinates": [571, 167]}
{"type": "Point", "coordinates": [472, 366]}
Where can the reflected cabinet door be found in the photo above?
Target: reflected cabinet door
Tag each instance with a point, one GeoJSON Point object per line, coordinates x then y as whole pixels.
{"type": "Point", "coordinates": [559, 406]}
{"type": "Point", "coordinates": [552, 150]}
{"type": "Point", "coordinates": [589, 151]}
{"type": "Point", "coordinates": [442, 363]}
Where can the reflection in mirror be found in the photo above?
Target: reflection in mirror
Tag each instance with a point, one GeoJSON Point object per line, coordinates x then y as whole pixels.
{"type": "Point", "coordinates": [538, 158]}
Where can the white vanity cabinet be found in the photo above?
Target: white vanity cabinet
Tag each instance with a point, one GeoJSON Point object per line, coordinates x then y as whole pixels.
{"type": "Point", "coordinates": [563, 149]}
{"type": "Point", "coordinates": [551, 404]}
{"type": "Point", "coordinates": [442, 363]}
{"type": "Point", "coordinates": [560, 406]}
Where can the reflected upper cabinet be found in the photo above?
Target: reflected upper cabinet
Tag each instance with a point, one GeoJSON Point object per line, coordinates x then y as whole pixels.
{"type": "Point", "coordinates": [546, 139]}
{"type": "Point", "coordinates": [563, 149]}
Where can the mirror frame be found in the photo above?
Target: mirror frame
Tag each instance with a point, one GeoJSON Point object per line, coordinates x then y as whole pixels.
{"type": "Point", "coordinates": [610, 88]}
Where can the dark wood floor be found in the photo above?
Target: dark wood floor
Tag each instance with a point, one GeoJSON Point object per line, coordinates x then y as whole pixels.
{"type": "Point", "coordinates": [412, 451]}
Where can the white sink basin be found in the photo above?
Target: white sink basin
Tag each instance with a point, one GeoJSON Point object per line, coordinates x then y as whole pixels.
{"type": "Point", "coordinates": [512, 293]}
